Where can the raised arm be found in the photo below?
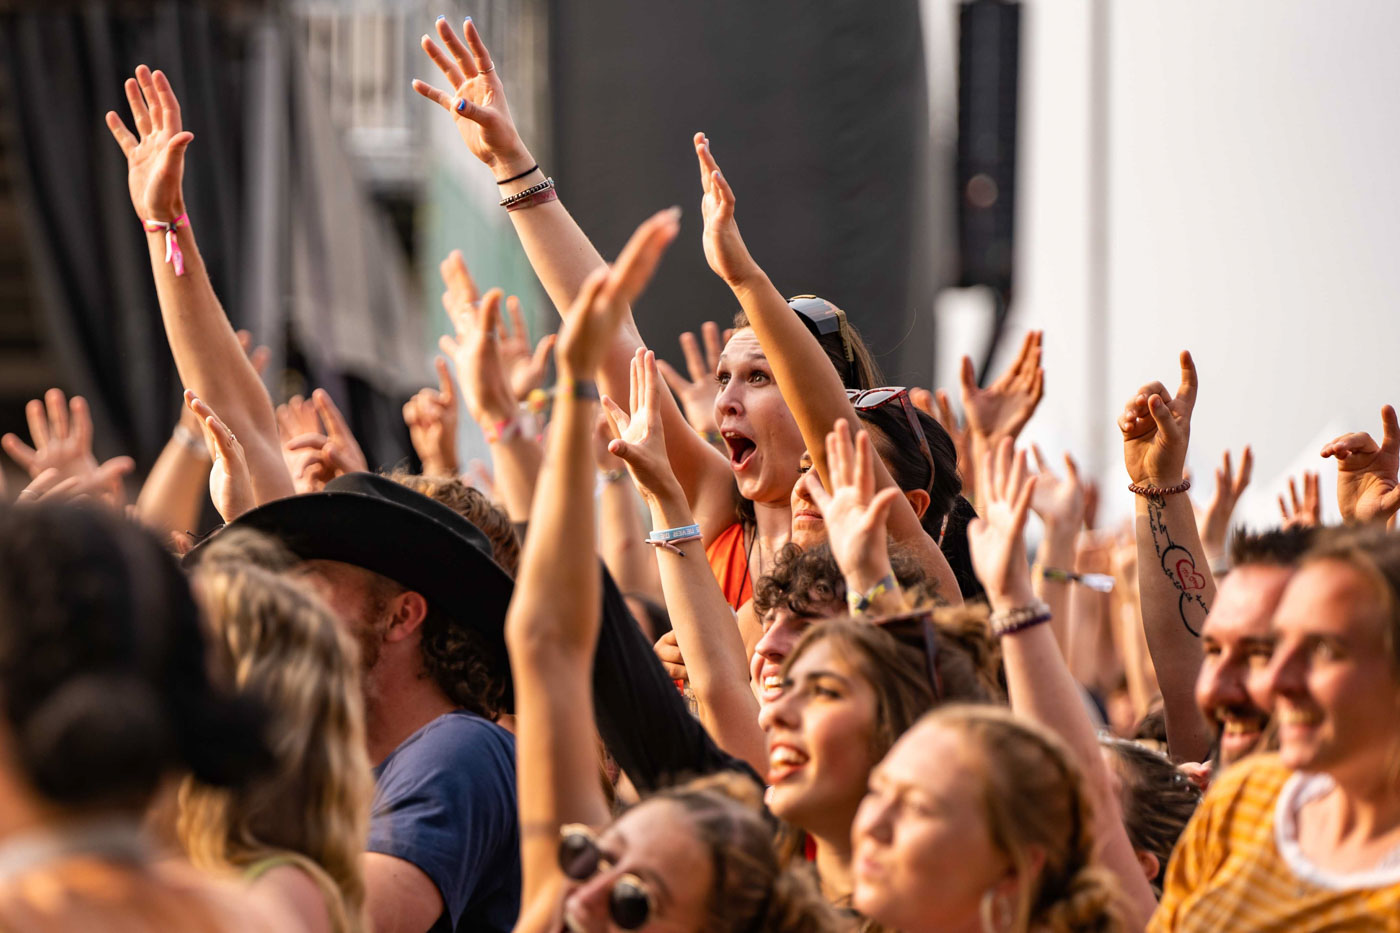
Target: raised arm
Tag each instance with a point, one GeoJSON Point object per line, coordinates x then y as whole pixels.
{"type": "Point", "coordinates": [206, 349]}
{"type": "Point", "coordinates": [551, 641]}
{"type": "Point", "coordinates": [1174, 578]}
{"type": "Point", "coordinates": [811, 387]}
{"type": "Point", "coordinates": [1368, 487]}
{"type": "Point", "coordinates": [1038, 682]}
{"type": "Point", "coordinates": [1060, 505]}
{"type": "Point", "coordinates": [706, 632]}
{"type": "Point", "coordinates": [558, 249]}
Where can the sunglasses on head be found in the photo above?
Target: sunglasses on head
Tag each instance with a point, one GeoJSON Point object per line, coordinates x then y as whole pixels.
{"type": "Point", "coordinates": [630, 902]}
{"type": "Point", "coordinates": [871, 399]}
{"type": "Point", "coordinates": [917, 626]}
{"type": "Point", "coordinates": [823, 318]}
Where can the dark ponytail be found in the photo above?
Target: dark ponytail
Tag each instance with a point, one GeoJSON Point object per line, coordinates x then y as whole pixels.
{"type": "Point", "coordinates": [102, 664]}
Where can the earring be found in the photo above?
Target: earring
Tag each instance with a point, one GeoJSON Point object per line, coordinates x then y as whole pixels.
{"type": "Point", "coordinates": [996, 911]}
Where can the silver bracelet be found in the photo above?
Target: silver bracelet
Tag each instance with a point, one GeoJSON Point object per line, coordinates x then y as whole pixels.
{"type": "Point", "coordinates": [190, 441]}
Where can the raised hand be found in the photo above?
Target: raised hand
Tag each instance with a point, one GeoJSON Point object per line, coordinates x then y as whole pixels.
{"type": "Point", "coordinates": [639, 440]}
{"type": "Point", "coordinates": [724, 248]}
{"type": "Point", "coordinates": [61, 430]}
{"type": "Point", "coordinates": [1058, 502]}
{"type": "Point", "coordinates": [103, 484]}
{"type": "Point", "coordinates": [1307, 511]}
{"type": "Point", "coordinates": [155, 157]}
{"type": "Point", "coordinates": [478, 99]}
{"type": "Point", "coordinates": [1215, 521]}
{"type": "Point", "coordinates": [855, 515]}
{"type": "Point", "coordinates": [525, 365]}
{"type": "Point", "coordinates": [938, 406]}
{"type": "Point", "coordinates": [230, 483]}
{"type": "Point", "coordinates": [698, 393]}
{"type": "Point", "coordinates": [1367, 486]}
{"type": "Point", "coordinates": [1003, 408]}
{"type": "Point", "coordinates": [431, 416]}
{"type": "Point", "coordinates": [996, 539]}
{"type": "Point", "coordinates": [1157, 430]}
{"type": "Point", "coordinates": [475, 348]}
{"type": "Point", "coordinates": [602, 303]}
{"type": "Point", "coordinates": [336, 452]}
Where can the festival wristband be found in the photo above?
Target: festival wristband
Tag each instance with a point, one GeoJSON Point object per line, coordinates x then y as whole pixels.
{"type": "Point", "coordinates": [172, 245]}
{"type": "Point", "coordinates": [1011, 621]}
{"type": "Point", "coordinates": [859, 602]}
{"type": "Point", "coordinates": [578, 388]}
{"type": "Point", "coordinates": [1098, 582]}
{"type": "Point", "coordinates": [668, 537]}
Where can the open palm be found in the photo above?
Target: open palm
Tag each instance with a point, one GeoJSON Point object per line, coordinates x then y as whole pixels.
{"type": "Point", "coordinates": [155, 157]}
{"type": "Point", "coordinates": [1368, 488]}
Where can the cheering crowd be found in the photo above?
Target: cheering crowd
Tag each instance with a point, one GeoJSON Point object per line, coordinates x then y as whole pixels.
{"type": "Point", "coordinates": [754, 647]}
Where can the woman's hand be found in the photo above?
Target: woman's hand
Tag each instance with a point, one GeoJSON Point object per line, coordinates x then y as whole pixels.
{"type": "Point", "coordinates": [230, 484]}
{"type": "Point", "coordinates": [724, 248]}
{"type": "Point", "coordinates": [639, 440]}
{"type": "Point", "coordinates": [1307, 511]}
{"type": "Point", "coordinates": [478, 99]}
{"type": "Point", "coordinates": [476, 347]}
{"type": "Point", "coordinates": [1229, 486]}
{"type": "Point", "coordinates": [431, 416]}
{"type": "Point", "coordinates": [855, 515]}
{"type": "Point", "coordinates": [525, 365]}
{"type": "Point", "coordinates": [592, 323]}
{"type": "Point", "coordinates": [698, 393]}
{"type": "Point", "coordinates": [1368, 489]}
{"type": "Point", "coordinates": [321, 457]}
{"type": "Point", "coordinates": [939, 407]}
{"type": "Point", "coordinates": [1157, 430]}
{"type": "Point", "coordinates": [61, 430]}
{"type": "Point", "coordinates": [1003, 408]}
{"type": "Point", "coordinates": [1058, 502]}
{"type": "Point", "coordinates": [996, 539]}
{"type": "Point", "coordinates": [155, 159]}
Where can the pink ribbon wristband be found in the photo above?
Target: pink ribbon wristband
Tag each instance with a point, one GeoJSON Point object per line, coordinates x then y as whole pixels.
{"type": "Point", "coordinates": [172, 245]}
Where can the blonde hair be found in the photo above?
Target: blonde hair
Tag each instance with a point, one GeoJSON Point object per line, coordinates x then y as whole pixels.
{"type": "Point", "coordinates": [277, 643]}
{"type": "Point", "coordinates": [1035, 801]}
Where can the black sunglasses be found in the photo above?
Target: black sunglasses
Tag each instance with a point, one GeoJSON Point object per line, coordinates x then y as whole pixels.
{"type": "Point", "coordinates": [823, 318]}
{"type": "Point", "coordinates": [871, 399]}
{"type": "Point", "coordinates": [630, 903]}
{"type": "Point", "coordinates": [909, 627]}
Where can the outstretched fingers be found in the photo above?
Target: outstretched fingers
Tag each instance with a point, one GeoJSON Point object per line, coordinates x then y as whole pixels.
{"type": "Point", "coordinates": [481, 57]}
{"type": "Point", "coordinates": [169, 103]}
{"type": "Point", "coordinates": [457, 278]}
{"type": "Point", "coordinates": [1246, 472]}
{"type": "Point", "coordinates": [465, 63]}
{"type": "Point", "coordinates": [140, 113]}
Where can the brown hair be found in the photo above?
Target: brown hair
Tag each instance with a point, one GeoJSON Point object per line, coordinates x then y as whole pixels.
{"type": "Point", "coordinates": [1276, 547]}
{"type": "Point", "coordinates": [473, 505]}
{"type": "Point", "coordinates": [807, 582]}
{"type": "Point", "coordinates": [1035, 801]}
{"type": "Point", "coordinates": [750, 888]}
{"type": "Point", "coordinates": [277, 643]}
{"type": "Point", "coordinates": [1158, 800]}
{"type": "Point", "coordinates": [1375, 554]}
{"type": "Point", "coordinates": [862, 365]}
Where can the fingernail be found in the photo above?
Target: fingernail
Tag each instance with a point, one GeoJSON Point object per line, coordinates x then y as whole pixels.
{"type": "Point", "coordinates": [442, 16]}
{"type": "Point", "coordinates": [675, 212]}
{"type": "Point", "coordinates": [462, 105]}
{"type": "Point", "coordinates": [467, 20]}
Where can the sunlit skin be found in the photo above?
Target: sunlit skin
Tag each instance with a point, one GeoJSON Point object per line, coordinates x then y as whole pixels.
{"type": "Point", "coordinates": [347, 590]}
{"type": "Point", "coordinates": [781, 630]}
{"type": "Point", "coordinates": [819, 754]}
{"type": "Point", "coordinates": [1236, 640]}
{"type": "Point", "coordinates": [808, 527]}
{"type": "Point", "coordinates": [654, 841]}
{"type": "Point", "coordinates": [764, 442]}
{"type": "Point", "coordinates": [922, 855]}
{"type": "Point", "coordinates": [1332, 680]}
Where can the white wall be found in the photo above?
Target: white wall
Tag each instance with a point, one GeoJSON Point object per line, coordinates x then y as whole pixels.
{"type": "Point", "coordinates": [1253, 210]}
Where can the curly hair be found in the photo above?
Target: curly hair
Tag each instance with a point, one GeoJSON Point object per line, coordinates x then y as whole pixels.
{"type": "Point", "coordinates": [809, 582]}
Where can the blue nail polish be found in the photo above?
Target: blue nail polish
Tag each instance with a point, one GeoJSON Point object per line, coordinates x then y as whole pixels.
{"type": "Point", "coordinates": [461, 106]}
{"type": "Point", "coordinates": [468, 20]}
{"type": "Point", "coordinates": [442, 16]}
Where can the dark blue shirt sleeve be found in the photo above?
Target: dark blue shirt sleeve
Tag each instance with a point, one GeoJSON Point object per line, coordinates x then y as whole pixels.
{"type": "Point", "coordinates": [445, 801]}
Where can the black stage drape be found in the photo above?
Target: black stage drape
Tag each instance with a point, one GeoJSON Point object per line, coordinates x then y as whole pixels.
{"type": "Point", "coordinates": [817, 112]}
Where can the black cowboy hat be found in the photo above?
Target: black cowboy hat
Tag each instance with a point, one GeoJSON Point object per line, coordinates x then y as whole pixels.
{"type": "Point", "coordinates": [375, 523]}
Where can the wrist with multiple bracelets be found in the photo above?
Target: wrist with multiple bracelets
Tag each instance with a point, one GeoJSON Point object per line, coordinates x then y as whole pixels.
{"type": "Point", "coordinates": [531, 196]}
{"type": "Point", "coordinates": [1010, 621]}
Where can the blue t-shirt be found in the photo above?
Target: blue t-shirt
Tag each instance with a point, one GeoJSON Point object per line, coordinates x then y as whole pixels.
{"type": "Point", "coordinates": [444, 800]}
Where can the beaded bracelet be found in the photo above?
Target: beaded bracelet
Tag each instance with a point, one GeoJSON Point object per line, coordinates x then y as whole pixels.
{"type": "Point", "coordinates": [534, 200]}
{"type": "Point", "coordinates": [1011, 621]}
{"type": "Point", "coordinates": [545, 185]}
{"type": "Point", "coordinates": [859, 602]}
{"type": "Point", "coordinates": [1156, 492]}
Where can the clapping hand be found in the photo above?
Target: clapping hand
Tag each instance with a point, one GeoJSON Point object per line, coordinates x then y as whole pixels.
{"type": "Point", "coordinates": [1003, 408]}
{"type": "Point", "coordinates": [639, 440]}
{"type": "Point", "coordinates": [230, 484]}
{"type": "Point", "coordinates": [478, 99]}
{"type": "Point", "coordinates": [1307, 511]}
{"type": "Point", "coordinates": [1157, 430]}
{"type": "Point", "coordinates": [476, 346]}
{"type": "Point", "coordinates": [724, 248]}
{"type": "Point", "coordinates": [431, 416]}
{"type": "Point", "coordinates": [698, 393]}
{"type": "Point", "coordinates": [1367, 486]}
{"type": "Point", "coordinates": [996, 538]}
{"type": "Point", "coordinates": [322, 455]}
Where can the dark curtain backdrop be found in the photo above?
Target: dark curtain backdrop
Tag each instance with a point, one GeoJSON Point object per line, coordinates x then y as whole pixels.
{"type": "Point", "coordinates": [817, 112]}
{"type": "Point", "coordinates": [296, 251]}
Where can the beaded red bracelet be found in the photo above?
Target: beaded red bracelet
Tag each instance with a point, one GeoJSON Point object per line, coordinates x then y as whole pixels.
{"type": "Point", "coordinates": [1154, 492]}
